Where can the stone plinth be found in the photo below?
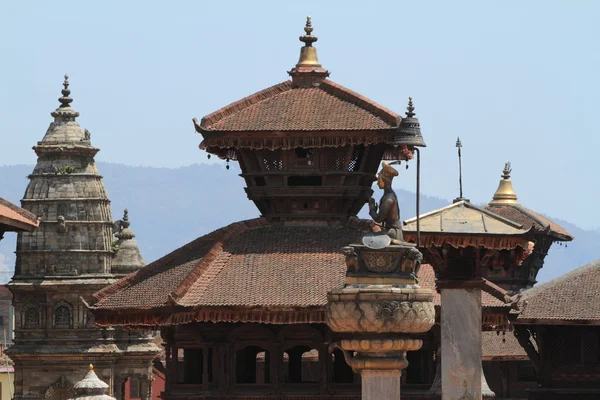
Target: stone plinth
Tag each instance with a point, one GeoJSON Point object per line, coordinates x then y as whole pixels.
{"type": "Point", "coordinates": [461, 343]}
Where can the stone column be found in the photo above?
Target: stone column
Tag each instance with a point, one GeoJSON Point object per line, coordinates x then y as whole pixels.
{"type": "Point", "coordinates": [375, 382]}
{"type": "Point", "coordinates": [380, 363]}
{"type": "Point", "coordinates": [461, 343]}
{"type": "Point", "coordinates": [486, 392]}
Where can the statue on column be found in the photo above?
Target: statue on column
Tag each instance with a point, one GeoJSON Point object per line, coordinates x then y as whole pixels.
{"type": "Point", "coordinates": [388, 212]}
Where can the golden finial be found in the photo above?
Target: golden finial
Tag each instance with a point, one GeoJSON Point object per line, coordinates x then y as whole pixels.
{"type": "Point", "coordinates": [308, 53]}
{"type": "Point", "coordinates": [91, 367]}
{"type": "Point", "coordinates": [505, 194]}
{"type": "Point", "coordinates": [308, 38]}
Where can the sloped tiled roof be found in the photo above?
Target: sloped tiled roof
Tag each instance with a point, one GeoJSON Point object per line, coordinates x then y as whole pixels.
{"type": "Point", "coordinates": [496, 346]}
{"type": "Point", "coordinates": [249, 263]}
{"type": "Point", "coordinates": [16, 218]}
{"type": "Point", "coordinates": [284, 107]}
{"type": "Point", "coordinates": [530, 219]}
{"type": "Point", "coordinates": [251, 267]}
{"type": "Point", "coordinates": [571, 298]}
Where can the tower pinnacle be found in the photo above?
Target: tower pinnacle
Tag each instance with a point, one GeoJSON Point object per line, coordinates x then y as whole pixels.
{"type": "Point", "coordinates": [505, 194]}
{"type": "Point", "coordinates": [64, 112]}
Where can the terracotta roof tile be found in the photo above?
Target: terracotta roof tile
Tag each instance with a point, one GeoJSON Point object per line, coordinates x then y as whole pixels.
{"type": "Point", "coordinates": [283, 107]}
{"type": "Point", "coordinates": [16, 217]}
{"type": "Point", "coordinates": [252, 266]}
{"type": "Point", "coordinates": [530, 219]}
{"type": "Point", "coordinates": [571, 297]}
{"type": "Point", "coordinates": [501, 346]}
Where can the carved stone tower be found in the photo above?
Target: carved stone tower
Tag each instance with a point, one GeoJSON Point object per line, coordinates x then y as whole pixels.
{"type": "Point", "coordinates": [67, 259]}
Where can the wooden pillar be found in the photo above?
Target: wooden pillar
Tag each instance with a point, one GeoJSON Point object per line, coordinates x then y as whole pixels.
{"type": "Point", "coordinates": [205, 367]}
{"type": "Point", "coordinates": [323, 363]}
{"type": "Point", "coordinates": [169, 374]}
{"type": "Point", "coordinates": [295, 365]}
{"type": "Point", "coordinates": [277, 365]}
{"type": "Point", "coordinates": [175, 374]}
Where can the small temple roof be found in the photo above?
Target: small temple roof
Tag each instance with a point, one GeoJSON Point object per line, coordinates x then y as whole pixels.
{"type": "Point", "coordinates": [506, 204]}
{"type": "Point", "coordinates": [91, 387]}
{"type": "Point", "coordinates": [464, 224]}
{"type": "Point", "coordinates": [285, 107]}
{"type": "Point", "coordinates": [14, 218]}
{"type": "Point", "coordinates": [309, 102]}
{"type": "Point", "coordinates": [546, 302]}
{"type": "Point", "coordinates": [249, 271]}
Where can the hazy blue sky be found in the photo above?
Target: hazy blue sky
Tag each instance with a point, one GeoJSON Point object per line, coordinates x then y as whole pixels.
{"type": "Point", "coordinates": [516, 80]}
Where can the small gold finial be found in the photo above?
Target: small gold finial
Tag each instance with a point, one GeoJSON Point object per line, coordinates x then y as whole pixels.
{"type": "Point", "coordinates": [91, 367]}
{"type": "Point", "coordinates": [308, 54]}
{"type": "Point", "coordinates": [308, 39]}
{"type": "Point", "coordinates": [505, 194]}
{"type": "Point", "coordinates": [507, 170]}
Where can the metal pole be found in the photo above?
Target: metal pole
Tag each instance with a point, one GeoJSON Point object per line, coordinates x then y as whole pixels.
{"type": "Point", "coordinates": [458, 146]}
{"type": "Point", "coordinates": [418, 196]}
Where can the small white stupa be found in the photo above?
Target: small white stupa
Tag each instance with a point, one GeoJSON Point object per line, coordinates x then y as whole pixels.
{"type": "Point", "coordinates": [91, 388]}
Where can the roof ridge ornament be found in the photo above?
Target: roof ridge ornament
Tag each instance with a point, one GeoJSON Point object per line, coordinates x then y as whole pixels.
{"type": "Point", "coordinates": [64, 112]}
{"type": "Point", "coordinates": [507, 170]}
{"type": "Point", "coordinates": [65, 100]}
{"type": "Point", "coordinates": [505, 194]}
{"type": "Point", "coordinates": [308, 39]}
{"type": "Point", "coordinates": [122, 227]}
{"type": "Point", "coordinates": [308, 71]}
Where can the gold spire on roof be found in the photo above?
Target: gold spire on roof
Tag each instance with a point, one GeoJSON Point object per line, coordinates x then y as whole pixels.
{"type": "Point", "coordinates": [505, 194]}
{"type": "Point", "coordinates": [308, 53]}
{"type": "Point", "coordinates": [91, 367]}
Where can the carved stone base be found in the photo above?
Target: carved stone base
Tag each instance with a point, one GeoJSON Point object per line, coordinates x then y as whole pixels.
{"type": "Point", "coordinates": [380, 309]}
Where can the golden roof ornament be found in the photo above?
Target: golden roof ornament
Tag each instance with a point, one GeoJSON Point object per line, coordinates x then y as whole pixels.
{"type": "Point", "coordinates": [505, 194]}
{"type": "Point", "coordinates": [308, 72]}
{"type": "Point", "coordinates": [308, 53]}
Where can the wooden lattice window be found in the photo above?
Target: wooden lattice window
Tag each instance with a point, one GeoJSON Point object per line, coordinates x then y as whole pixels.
{"type": "Point", "coordinates": [272, 160]}
{"type": "Point", "coordinates": [558, 349]}
{"type": "Point", "coordinates": [572, 348]}
{"type": "Point", "coordinates": [251, 160]}
{"type": "Point", "coordinates": [304, 157]}
{"type": "Point", "coordinates": [589, 347]}
{"type": "Point", "coordinates": [32, 318]}
{"type": "Point", "coordinates": [337, 158]}
{"type": "Point", "coordinates": [356, 159]}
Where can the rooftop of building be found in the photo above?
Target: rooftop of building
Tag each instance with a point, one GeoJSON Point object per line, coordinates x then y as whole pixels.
{"type": "Point", "coordinates": [249, 271]}
{"type": "Point", "coordinates": [506, 204]}
{"type": "Point", "coordinates": [569, 299]}
{"type": "Point", "coordinates": [14, 218]}
{"type": "Point", "coordinates": [313, 111]}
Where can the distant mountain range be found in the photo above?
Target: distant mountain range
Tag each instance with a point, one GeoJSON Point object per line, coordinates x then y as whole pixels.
{"type": "Point", "coordinates": [170, 207]}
